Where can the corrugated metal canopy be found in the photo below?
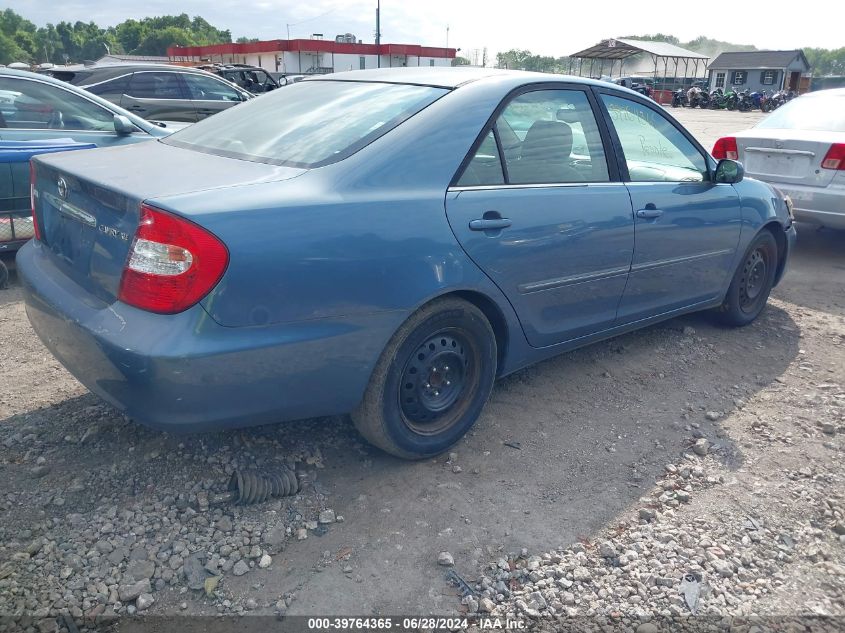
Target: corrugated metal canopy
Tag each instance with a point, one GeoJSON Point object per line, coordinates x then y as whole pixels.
{"type": "Point", "coordinates": [622, 48]}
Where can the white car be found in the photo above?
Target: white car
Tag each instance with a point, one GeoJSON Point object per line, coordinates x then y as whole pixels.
{"type": "Point", "coordinates": [800, 149]}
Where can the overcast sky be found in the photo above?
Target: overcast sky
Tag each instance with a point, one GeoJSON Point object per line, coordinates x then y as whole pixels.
{"type": "Point", "coordinates": [548, 27]}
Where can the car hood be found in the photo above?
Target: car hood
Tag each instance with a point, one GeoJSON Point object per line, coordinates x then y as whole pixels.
{"type": "Point", "coordinates": [171, 126]}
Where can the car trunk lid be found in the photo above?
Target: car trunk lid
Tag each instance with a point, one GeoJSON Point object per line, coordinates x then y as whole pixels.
{"type": "Point", "coordinates": [88, 209]}
{"type": "Point", "coordinates": [787, 156]}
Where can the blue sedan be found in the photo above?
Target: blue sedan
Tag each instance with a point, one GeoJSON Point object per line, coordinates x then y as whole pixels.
{"type": "Point", "coordinates": [386, 243]}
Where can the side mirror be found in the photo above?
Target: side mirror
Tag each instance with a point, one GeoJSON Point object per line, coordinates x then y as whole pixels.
{"type": "Point", "coordinates": [123, 125]}
{"type": "Point", "coordinates": [729, 171]}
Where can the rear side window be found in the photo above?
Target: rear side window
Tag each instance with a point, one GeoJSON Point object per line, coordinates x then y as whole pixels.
{"type": "Point", "coordinates": [309, 124]}
{"type": "Point", "coordinates": [153, 85]}
{"type": "Point", "coordinates": [110, 88]}
{"type": "Point", "coordinates": [202, 88]}
{"type": "Point", "coordinates": [485, 168]}
{"type": "Point", "coordinates": [545, 137]}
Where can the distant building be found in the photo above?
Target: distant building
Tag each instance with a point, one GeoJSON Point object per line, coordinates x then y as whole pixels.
{"type": "Point", "coordinates": [114, 58]}
{"type": "Point", "coordinates": [315, 55]}
{"type": "Point", "coordinates": [760, 70]}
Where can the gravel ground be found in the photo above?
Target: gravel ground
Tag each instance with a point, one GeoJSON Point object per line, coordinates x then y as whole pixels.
{"type": "Point", "coordinates": [685, 469]}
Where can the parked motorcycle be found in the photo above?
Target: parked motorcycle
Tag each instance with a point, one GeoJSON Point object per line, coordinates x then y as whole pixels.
{"type": "Point", "coordinates": [731, 99]}
{"type": "Point", "coordinates": [781, 97]}
{"type": "Point", "coordinates": [718, 100]}
{"type": "Point", "coordinates": [679, 99]}
{"type": "Point", "coordinates": [744, 102]}
{"type": "Point", "coordinates": [757, 98]}
{"type": "Point", "coordinates": [697, 97]}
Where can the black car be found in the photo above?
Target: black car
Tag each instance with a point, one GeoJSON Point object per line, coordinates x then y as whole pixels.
{"type": "Point", "coordinates": [252, 78]}
{"type": "Point", "coordinates": [642, 85]}
{"type": "Point", "coordinates": [156, 91]}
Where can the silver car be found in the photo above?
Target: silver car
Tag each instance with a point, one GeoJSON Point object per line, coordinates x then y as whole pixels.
{"type": "Point", "coordinates": [800, 149]}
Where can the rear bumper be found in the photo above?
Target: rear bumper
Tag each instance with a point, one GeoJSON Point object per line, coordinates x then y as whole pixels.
{"type": "Point", "coordinates": [817, 205]}
{"type": "Point", "coordinates": [186, 372]}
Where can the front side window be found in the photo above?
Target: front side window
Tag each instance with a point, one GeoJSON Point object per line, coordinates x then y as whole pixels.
{"type": "Point", "coordinates": [739, 77]}
{"type": "Point", "coordinates": [40, 106]}
{"type": "Point", "coordinates": [720, 80]}
{"type": "Point", "coordinates": [156, 85]}
{"type": "Point", "coordinates": [655, 150]}
{"type": "Point", "coordinates": [308, 124]}
{"type": "Point", "coordinates": [202, 88]}
{"type": "Point", "coordinates": [767, 77]}
{"type": "Point", "coordinates": [551, 136]}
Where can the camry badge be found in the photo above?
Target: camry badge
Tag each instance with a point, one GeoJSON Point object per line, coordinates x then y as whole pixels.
{"type": "Point", "coordinates": [61, 185]}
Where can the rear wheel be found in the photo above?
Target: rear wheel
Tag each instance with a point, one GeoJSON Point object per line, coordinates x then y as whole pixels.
{"type": "Point", "coordinates": [431, 382]}
{"type": "Point", "coordinates": [752, 282]}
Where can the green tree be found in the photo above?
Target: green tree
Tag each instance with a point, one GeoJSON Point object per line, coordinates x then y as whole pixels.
{"type": "Point", "coordinates": [460, 61]}
{"type": "Point", "coordinates": [157, 41]}
{"type": "Point", "coordinates": [514, 59]}
{"type": "Point", "coordinates": [825, 61]}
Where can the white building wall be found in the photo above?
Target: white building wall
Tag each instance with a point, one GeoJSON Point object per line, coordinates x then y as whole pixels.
{"type": "Point", "coordinates": [289, 61]}
{"type": "Point", "coordinates": [351, 61]}
{"type": "Point", "coordinates": [267, 61]}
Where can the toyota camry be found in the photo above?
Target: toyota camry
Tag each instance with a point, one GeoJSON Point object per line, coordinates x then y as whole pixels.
{"type": "Point", "coordinates": [385, 243]}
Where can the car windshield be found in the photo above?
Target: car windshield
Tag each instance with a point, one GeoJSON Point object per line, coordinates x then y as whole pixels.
{"type": "Point", "coordinates": [821, 113]}
{"type": "Point", "coordinates": [310, 124]}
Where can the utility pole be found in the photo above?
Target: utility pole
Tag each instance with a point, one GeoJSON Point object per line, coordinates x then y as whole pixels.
{"type": "Point", "coordinates": [378, 32]}
{"type": "Point", "coordinates": [447, 36]}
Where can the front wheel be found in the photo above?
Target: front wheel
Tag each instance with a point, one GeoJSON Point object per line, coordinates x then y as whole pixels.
{"type": "Point", "coordinates": [431, 381]}
{"type": "Point", "coordinates": [752, 282]}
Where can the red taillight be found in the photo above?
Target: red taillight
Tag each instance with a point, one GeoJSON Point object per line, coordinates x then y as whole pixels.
{"type": "Point", "coordinates": [725, 147]}
{"type": "Point", "coordinates": [172, 263]}
{"type": "Point", "coordinates": [835, 157]}
{"type": "Point", "coordinates": [35, 228]}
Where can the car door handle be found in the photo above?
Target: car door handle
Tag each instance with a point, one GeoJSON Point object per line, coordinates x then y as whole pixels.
{"type": "Point", "coordinates": [649, 213]}
{"type": "Point", "coordinates": [489, 224]}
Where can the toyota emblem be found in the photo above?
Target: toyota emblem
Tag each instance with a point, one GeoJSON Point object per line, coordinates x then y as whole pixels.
{"type": "Point", "coordinates": [61, 185]}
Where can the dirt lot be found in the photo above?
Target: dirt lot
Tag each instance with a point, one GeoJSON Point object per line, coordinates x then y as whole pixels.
{"type": "Point", "coordinates": [593, 484]}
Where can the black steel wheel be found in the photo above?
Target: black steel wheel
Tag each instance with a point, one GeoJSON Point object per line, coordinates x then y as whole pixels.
{"type": "Point", "coordinates": [434, 380]}
{"type": "Point", "coordinates": [752, 282]}
{"type": "Point", "coordinates": [431, 382]}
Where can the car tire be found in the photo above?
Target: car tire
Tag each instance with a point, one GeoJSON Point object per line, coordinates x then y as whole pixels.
{"type": "Point", "coordinates": [752, 282]}
{"type": "Point", "coordinates": [431, 382]}
{"type": "Point", "coordinates": [4, 275]}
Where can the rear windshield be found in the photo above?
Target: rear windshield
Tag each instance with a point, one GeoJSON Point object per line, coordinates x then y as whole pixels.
{"type": "Point", "coordinates": [819, 113]}
{"type": "Point", "coordinates": [309, 124]}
